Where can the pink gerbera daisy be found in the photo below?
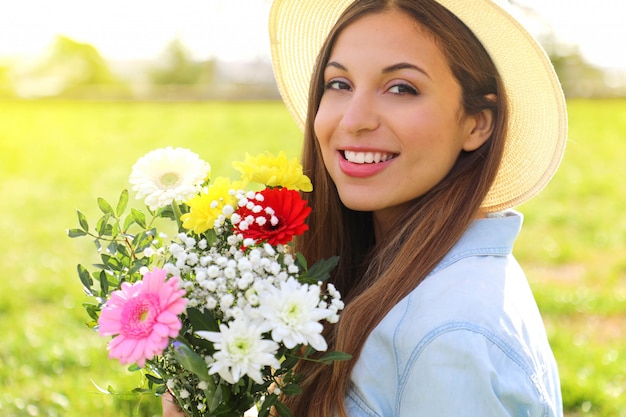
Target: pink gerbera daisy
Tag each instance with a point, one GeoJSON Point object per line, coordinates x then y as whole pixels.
{"type": "Point", "coordinates": [143, 317]}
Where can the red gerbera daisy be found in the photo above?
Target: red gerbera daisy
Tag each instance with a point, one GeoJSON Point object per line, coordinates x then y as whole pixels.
{"type": "Point", "coordinates": [275, 216]}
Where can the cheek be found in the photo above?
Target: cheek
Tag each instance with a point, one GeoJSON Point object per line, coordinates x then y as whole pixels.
{"type": "Point", "coordinates": [323, 125]}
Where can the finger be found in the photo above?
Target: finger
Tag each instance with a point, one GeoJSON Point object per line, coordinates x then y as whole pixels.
{"type": "Point", "coordinates": [170, 406]}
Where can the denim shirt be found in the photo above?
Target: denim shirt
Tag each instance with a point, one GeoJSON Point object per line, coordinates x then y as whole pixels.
{"type": "Point", "coordinates": [468, 341]}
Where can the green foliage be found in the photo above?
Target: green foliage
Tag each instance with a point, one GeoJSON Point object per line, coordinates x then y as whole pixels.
{"type": "Point", "coordinates": [572, 248]}
{"type": "Point", "coordinates": [180, 69]}
{"type": "Point", "coordinates": [68, 69]}
{"type": "Point", "coordinates": [120, 240]}
{"type": "Point", "coordinates": [53, 158]}
{"type": "Point", "coordinates": [56, 157]}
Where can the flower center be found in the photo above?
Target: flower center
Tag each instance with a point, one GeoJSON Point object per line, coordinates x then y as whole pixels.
{"type": "Point", "coordinates": [292, 314]}
{"type": "Point", "coordinates": [239, 347]}
{"type": "Point", "coordinates": [139, 315]}
{"type": "Point", "coordinates": [169, 179]}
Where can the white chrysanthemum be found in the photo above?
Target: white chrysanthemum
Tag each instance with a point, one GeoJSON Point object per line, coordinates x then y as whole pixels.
{"type": "Point", "coordinates": [241, 350]}
{"type": "Point", "coordinates": [168, 174]}
{"type": "Point", "coordinates": [292, 314]}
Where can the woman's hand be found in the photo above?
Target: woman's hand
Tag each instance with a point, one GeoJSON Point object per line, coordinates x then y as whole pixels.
{"type": "Point", "coordinates": [170, 406]}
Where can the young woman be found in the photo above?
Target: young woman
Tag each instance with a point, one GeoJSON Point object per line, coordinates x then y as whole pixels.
{"type": "Point", "coordinates": [425, 121]}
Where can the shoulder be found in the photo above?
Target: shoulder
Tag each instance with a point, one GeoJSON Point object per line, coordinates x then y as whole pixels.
{"type": "Point", "coordinates": [472, 325]}
{"type": "Point", "coordinates": [467, 370]}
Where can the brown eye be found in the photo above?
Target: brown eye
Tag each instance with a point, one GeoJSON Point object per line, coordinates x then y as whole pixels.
{"type": "Point", "coordinates": [337, 85]}
{"type": "Point", "coordinates": [402, 89]}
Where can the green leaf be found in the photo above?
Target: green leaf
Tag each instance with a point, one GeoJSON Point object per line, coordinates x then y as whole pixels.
{"type": "Point", "coordinates": [138, 217]}
{"type": "Point", "coordinates": [282, 409]}
{"type": "Point", "coordinates": [82, 220]}
{"type": "Point", "coordinates": [154, 379]}
{"type": "Point", "coordinates": [105, 206]}
{"type": "Point", "coordinates": [111, 262]}
{"type": "Point", "coordinates": [112, 248]}
{"type": "Point", "coordinates": [331, 357]}
{"type": "Point", "coordinates": [128, 221]}
{"type": "Point", "coordinates": [134, 368]}
{"type": "Point", "coordinates": [202, 321]}
{"type": "Point", "coordinates": [122, 203]}
{"type": "Point", "coordinates": [142, 391]}
{"type": "Point", "coordinates": [104, 283]}
{"type": "Point", "coordinates": [137, 264]}
{"type": "Point", "coordinates": [217, 397]}
{"type": "Point", "coordinates": [101, 227]}
{"type": "Point", "coordinates": [320, 271]}
{"type": "Point", "coordinates": [123, 251]}
{"type": "Point", "coordinates": [166, 213]}
{"type": "Point", "coordinates": [301, 261]}
{"type": "Point", "coordinates": [269, 401]}
{"type": "Point", "coordinates": [92, 310]}
{"type": "Point", "coordinates": [76, 232]}
{"type": "Point", "coordinates": [288, 364]}
{"type": "Point", "coordinates": [85, 278]}
{"type": "Point", "coordinates": [291, 389]}
{"type": "Point", "coordinates": [142, 241]}
{"type": "Point", "coordinates": [115, 230]}
{"type": "Point", "coordinates": [191, 361]}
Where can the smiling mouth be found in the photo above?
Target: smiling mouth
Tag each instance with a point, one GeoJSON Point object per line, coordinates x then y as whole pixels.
{"type": "Point", "coordinates": [367, 157]}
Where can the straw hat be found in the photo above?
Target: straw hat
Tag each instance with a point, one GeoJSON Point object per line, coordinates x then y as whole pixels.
{"type": "Point", "coordinates": [537, 128]}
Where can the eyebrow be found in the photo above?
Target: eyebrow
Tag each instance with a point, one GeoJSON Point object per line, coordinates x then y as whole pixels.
{"type": "Point", "coordinates": [404, 65]}
{"type": "Point", "coordinates": [386, 70]}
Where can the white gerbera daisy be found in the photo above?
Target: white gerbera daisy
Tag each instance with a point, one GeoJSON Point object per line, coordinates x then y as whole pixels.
{"type": "Point", "coordinates": [168, 174]}
{"type": "Point", "coordinates": [293, 315]}
{"type": "Point", "coordinates": [241, 350]}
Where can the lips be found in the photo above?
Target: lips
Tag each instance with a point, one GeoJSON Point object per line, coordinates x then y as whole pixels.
{"type": "Point", "coordinates": [364, 164]}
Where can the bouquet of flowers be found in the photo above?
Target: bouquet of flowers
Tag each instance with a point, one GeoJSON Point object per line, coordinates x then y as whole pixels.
{"type": "Point", "coordinates": [218, 314]}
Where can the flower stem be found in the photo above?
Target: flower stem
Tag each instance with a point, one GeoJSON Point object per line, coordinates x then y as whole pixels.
{"type": "Point", "coordinates": [177, 215]}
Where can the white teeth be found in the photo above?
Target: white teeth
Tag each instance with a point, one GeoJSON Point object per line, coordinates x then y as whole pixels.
{"type": "Point", "coordinates": [366, 157]}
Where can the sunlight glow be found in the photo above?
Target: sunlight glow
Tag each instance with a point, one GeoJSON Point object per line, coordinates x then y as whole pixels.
{"type": "Point", "coordinates": [237, 29]}
{"type": "Point", "coordinates": [138, 29]}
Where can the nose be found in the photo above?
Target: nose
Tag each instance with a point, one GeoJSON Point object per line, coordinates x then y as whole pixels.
{"type": "Point", "coordinates": [360, 114]}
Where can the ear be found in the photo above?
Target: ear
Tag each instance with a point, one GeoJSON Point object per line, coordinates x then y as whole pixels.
{"type": "Point", "coordinates": [481, 126]}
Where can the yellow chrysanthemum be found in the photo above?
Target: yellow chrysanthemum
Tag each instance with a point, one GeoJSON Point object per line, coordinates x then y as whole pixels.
{"type": "Point", "coordinates": [274, 171]}
{"type": "Point", "coordinates": [206, 207]}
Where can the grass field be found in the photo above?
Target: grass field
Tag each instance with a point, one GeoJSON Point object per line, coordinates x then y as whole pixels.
{"type": "Point", "coordinates": [59, 156]}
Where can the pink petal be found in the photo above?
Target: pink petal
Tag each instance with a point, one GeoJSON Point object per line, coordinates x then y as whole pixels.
{"type": "Point", "coordinates": [108, 327]}
{"type": "Point", "coordinates": [154, 280]}
{"type": "Point", "coordinates": [138, 350]}
{"type": "Point", "coordinates": [167, 317]}
{"type": "Point", "coordinates": [125, 347]}
{"type": "Point", "coordinates": [161, 330]}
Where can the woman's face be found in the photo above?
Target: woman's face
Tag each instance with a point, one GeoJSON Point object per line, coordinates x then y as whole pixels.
{"type": "Point", "coordinates": [390, 123]}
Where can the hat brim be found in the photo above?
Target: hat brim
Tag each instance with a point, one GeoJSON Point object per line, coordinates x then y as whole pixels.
{"type": "Point", "coordinates": [537, 123]}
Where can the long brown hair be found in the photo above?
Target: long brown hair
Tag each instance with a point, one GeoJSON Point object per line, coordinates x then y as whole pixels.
{"type": "Point", "coordinates": [373, 276]}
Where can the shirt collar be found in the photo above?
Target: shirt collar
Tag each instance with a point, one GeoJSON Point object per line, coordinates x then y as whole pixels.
{"type": "Point", "coordinates": [493, 235]}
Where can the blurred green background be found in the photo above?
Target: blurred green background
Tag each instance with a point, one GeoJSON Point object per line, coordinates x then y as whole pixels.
{"type": "Point", "coordinates": [58, 156]}
{"type": "Point", "coordinates": [72, 123]}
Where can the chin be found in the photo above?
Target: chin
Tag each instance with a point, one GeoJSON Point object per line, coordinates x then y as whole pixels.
{"type": "Point", "coordinates": [357, 205]}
